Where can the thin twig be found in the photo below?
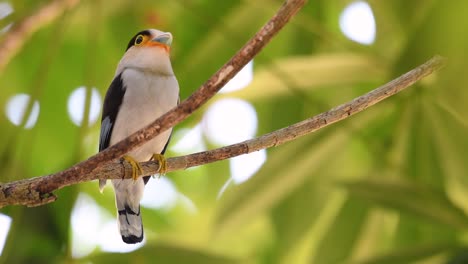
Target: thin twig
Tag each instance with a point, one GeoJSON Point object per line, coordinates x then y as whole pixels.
{"type": "Point", "coordinates": [27, 192]}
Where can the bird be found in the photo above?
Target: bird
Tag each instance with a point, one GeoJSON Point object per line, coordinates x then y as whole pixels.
{"type": "Point", "coordinates": [144, 88]}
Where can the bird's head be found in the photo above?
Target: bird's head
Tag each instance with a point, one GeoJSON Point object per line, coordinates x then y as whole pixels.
{"type": "Point", "coordinates": [149, 51]}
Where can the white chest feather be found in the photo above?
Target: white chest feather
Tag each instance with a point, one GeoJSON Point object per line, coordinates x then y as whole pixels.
{"type": "Point", "coordinates": [147, 97]}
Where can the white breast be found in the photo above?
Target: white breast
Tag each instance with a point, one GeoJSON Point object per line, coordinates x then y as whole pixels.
{"type": "Point", "coordinates": [147, 97]}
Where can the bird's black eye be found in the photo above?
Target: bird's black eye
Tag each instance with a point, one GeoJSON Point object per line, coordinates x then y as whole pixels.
{"type": "Point", "coordinates": [138, 39]}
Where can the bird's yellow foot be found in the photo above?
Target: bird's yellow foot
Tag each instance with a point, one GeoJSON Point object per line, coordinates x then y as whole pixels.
{"type": "Point", "coordinates": [162, 163]}
{"type": "Point", "coordinates": [136, 168]}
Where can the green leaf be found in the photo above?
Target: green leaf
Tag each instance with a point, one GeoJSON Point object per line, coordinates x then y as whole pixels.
{"type": "Point", "coordinates": [412, 254]}
{"type": "Point", "coordinates": [412, 198]}
{"type": "Point", "coordinates": [296, 214]}
{"type": "Point", "coordinates": [307, 73]}
{"type": "Point", "coordinates": [275, 181]}
{"type": "Point", "coordinates": [449, 136]}
{"type": "Point", "coordinates": [342, 233]}
{"type": "Point", "coordinates": [287, 168]}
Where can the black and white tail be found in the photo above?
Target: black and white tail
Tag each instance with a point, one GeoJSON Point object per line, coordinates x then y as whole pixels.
{"type": "Point", "coordinates": [128, 194]}
{"type": "Point", "coordinates": [130, 224]}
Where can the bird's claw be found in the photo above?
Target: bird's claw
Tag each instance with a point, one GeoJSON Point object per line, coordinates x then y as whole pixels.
{"type": "Point", "coordinates": [162, 163]}
{"type": "Point", "coordinates": [136, 168]}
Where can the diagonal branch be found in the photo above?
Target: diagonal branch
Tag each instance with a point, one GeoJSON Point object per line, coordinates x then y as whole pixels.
{"type": "Point", "coordinates": [28, 192]}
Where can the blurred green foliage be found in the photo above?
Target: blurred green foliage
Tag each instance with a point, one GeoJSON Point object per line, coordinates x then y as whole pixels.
{"type": "Point", "coordinates": [386, 186]}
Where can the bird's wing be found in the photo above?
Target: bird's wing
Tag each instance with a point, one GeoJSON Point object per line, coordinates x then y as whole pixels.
{"type": "Point", "coordinates": [112, 103]}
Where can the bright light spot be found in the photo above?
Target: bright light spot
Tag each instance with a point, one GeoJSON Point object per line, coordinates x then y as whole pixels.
{"type": "Point", "coordinates": [111, 241]}
{"type": "Point", "coordinates": [357, 22]}
{"type": "Point", "coordinates": [5, 9]}
{"type": "Point", "coordinates": [188, 204]}
{"type": "Point", "coordinates": [92, 226]}
{"type": "Point", "coordinates": [76, 105]}
{"type": "Point", "coordinates": [6, 28]}
{"type": "Point", "coordinates": [229, 121]}
{"type": "Point", "coordinates": [16, 108]}
{"type": "Point", "coordinates": [5, 223]}
{"type": "Point", "coordinates": [159, 194]}
{"type": "Point", "coordinates": [241, 80]}
{"type": "Point", "coordinates": [190, 140]}
{"type": "Point", "coordinates": [86, 222]}
{"type": "Point", "coordinates": [244, 166]}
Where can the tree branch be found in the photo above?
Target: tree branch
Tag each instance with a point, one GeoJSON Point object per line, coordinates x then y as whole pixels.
{"type": "Point", "coordinates": [26, 192]}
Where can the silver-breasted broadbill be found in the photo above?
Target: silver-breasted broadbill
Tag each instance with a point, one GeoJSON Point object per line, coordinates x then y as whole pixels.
{"type": "Point", "coordinates": [143, 89]}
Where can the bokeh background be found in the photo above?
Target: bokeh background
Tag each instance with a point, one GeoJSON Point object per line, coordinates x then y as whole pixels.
{"type": "Point", "coordinates": [386, 186]}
